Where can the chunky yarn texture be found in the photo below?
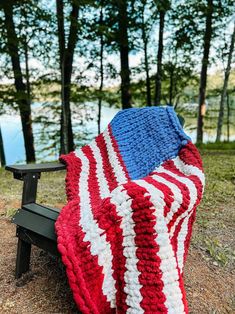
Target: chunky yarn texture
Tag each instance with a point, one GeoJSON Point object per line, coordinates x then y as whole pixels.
{"type": "Point", "coordinates": [125, 231]}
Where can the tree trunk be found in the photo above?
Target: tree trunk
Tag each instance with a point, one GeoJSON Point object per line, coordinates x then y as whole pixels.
{"type": "Point", "coordinates": [61, 38]}
{"type": "Point", "coordinates": [124, 53]}
{"type": "Point", "coordinates": [228, 118]}
{"type": "Point", "coordinates": [205, 62]}
{"type": "Point", "coordinates": [26, 59]}
{"type": "Point", "coordinates": [158, 79]}
{"type": "Point", "coordinates": [2, 152]}
{"type": "Point", "coordinates": [224, 90]}
{"type": "Point", "coordinates": [171, 87]}
{"type": "Point", "coordinates": [101, 67]}
{"type": "Point", "coordinates": [66, 67]}
{"type": "Point", "coordinates": [22, 99]}
{"type": "Point", "coordinates": [27, 75]}
{"type": "Point", "coordinates": [177, 99]}
{"type": "Point", "coordinates": [146, 63]}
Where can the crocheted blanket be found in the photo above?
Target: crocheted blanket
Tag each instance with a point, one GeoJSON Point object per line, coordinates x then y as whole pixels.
{"type": "Point", "coordinates": [125, 232]}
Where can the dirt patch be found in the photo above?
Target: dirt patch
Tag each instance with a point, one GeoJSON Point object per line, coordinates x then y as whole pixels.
{"type": "Point", "coordinates": [42, 290]}
{"type": "Point", "coordinates": [210, 268]}
{"type": "Point", "coordinates": [210, 288]}
{"type": "Point", "coordinates": [45, 289]}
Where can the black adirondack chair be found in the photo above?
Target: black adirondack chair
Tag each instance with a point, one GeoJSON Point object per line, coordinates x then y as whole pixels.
{"type": "Point", "coordinates": [35, 222]}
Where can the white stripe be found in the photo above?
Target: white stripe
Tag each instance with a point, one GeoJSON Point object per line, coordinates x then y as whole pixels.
{"type": "Point", "coordinates": [177, 195]}
{"type": "Point", "coordinates": [113, 159]}
{"type": "Point", "coordinates": [122, 201]}
{"type": "Point", "coordinates": [192, 194]}
{"type": "Point", "coordinates": [192, 200]}
{"type": "Point", "coordinates": [181, 241]}
{"type": "Point", "coordinates": [174, 207]}
{"type": "Point", "coordinates": [168, 264]}
{"type": "Point", "coordinates": [189, 169]}
{"type": "Point", "coordinates": [98, 245]}
{"type": "Point", "coordinates": [102, 182]}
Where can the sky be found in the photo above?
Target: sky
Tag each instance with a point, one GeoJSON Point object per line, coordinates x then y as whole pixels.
{"type": "Point", "coordinates": [135, 58]}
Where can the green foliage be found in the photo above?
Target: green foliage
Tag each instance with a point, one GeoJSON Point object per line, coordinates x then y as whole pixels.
{"type": "Point", "coordinates": [217, 252]}
{"type": "Point", "coordinates": [37, 33]}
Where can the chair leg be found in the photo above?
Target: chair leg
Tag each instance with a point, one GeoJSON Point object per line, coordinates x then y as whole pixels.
{"type": "Point", "coordinates": [23, 258]}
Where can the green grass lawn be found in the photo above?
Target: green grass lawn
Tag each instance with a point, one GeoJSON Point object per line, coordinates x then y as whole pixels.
{"type": "Point", "coordinates": [215, 224]}
{"type": "Point", "coordinates": [215, 216]}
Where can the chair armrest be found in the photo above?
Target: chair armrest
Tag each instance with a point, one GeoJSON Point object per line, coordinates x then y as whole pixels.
{"type": "Point", "coordinates": [30, 174]}
{"type": "Point", "coordinates": [35, 168]}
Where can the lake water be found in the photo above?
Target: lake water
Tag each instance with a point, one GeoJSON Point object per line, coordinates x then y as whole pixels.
{"type": "Point", "coordinates": [13, 139]}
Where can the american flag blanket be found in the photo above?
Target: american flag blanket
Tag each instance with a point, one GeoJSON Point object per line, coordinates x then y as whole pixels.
{"type": "Point", "coordinates": [125, 231]}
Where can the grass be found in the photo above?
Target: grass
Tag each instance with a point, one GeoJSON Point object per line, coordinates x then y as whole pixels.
{"type": "Point", "coordinates": [214, 229]}
{"type": "Point", "coordinates": [214, 234]}
{"type": "Point", "coordinates": [51, 190]}
{"type": "Point", "coordinates": [217, 146]}
{"type": "Point", "coordinates": [219, 168]}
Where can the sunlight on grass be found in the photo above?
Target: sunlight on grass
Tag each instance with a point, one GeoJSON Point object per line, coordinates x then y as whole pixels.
{"type": "Point", "coordinates": [214, 228]}
{"type": "Point", "coordinates": [219, 168]}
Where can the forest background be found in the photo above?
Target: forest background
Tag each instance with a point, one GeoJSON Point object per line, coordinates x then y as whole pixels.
{"type": "Point", "coordinates": [67, 66]}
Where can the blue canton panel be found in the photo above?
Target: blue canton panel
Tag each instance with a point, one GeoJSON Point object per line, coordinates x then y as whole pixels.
{"type": "Point", "coordinates": [147, 137]}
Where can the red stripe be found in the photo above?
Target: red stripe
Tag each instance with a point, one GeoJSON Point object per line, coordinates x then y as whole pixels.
{"type": "Point", "coordinates": [117, 249]}
{"type": "Point", "coordinates": [70, 242]}
{"type": "Point", "coordinates": [110, 221]}
{"type": "Point", "coordinates": [67, 231]}
{"type": "Point", "coordinates": [147, 248]}
{"type": "Point", "coordinates": [73, 165]}
{"type": "Point", "coordinates": [119, 259]}
{"type": "Point", "coordinates": [95, 201]}
{"type": "Point", "coordinates": [190, 156]}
